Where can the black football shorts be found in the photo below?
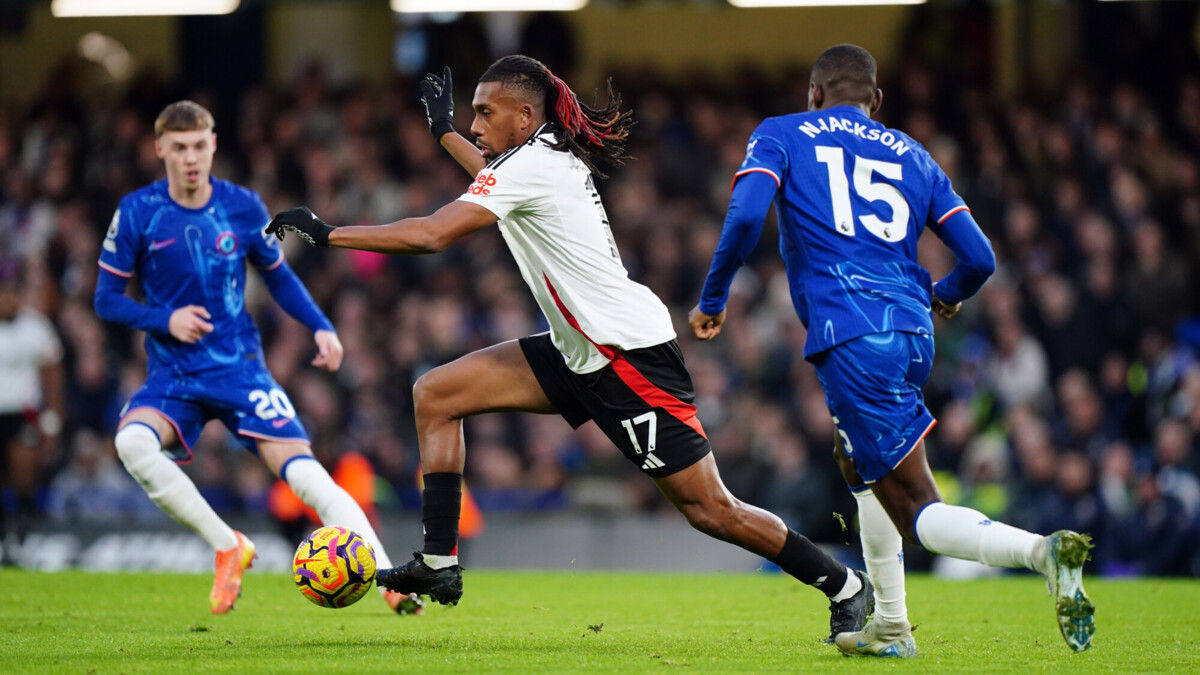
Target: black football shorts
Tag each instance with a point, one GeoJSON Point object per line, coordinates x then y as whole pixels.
{"type": "Point", "coordinates": [14, 426]}
{"type": "Point", "coordinates": [642, 400]}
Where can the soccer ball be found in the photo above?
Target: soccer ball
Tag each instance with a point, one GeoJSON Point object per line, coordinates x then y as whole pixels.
{"type": "Point", "coordinates": [334, 567]}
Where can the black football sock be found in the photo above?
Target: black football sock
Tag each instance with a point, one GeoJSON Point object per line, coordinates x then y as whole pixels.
{"type": "Point", "coordinates": [804, 560]}
{"type": "Point", "coordinates": [441, 504]}
{"type": "Point", "coordinates": [26, 517]}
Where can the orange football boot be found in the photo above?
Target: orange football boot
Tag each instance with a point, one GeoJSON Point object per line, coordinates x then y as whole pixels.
{"type": "Point", "coordinates": [227, 583]}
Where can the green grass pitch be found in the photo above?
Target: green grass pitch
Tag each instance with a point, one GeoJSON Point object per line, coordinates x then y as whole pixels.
{"type": "Point", "coordinates": [75, 622]}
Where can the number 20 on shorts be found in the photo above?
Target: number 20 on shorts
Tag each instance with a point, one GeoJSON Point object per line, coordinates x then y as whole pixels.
{"type": "Point", "coordinates": [271, 404]}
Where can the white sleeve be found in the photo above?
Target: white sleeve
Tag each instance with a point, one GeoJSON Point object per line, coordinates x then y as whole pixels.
{"type": "Point", "coordinates": [49, 347]}
{"type": "Point", "coordinates": [501, 189]}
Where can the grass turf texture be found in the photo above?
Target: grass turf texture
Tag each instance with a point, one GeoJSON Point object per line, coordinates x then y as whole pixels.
{"type": "Point", "coordinates": [76, 622]}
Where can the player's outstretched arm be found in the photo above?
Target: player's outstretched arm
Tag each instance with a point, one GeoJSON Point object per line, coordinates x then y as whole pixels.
{"type": "Point", "coordinates": [437, 95]}
{"type": "Point", "coordinates": [430, 234]}
{"type": "Point", "coordinates": [466, 153]}
{"type": "Point", "coordinates": [411, 236]}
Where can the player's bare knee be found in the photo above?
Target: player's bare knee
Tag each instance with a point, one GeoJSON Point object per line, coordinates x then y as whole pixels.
{"type": "Point", "coordinates": [428, 402]}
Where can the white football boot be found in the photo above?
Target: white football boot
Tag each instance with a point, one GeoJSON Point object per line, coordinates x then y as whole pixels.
{"type": "Point", "coordinates": [879, 639]}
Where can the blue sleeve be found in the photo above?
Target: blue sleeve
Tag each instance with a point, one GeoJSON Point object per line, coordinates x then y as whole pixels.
{"type": "Point", "coordinates": [944, 201]}
{"type": "Point", "coordinates": [765, 153]}
{"type": "Point", "coordinates": [264, 250]}
{"type": "Point", "coordinates": [976, 261]}
{"type": "Point", "coordinates": [113, 305]}
{"type": "Point", "coordinates": [748, 208]}
{"type": "Point", "coordinates": [122, 245]}
{"type": "Point", "coordinates": [294, 298]}
{"type": "Point", "coordinates": [119, 254]}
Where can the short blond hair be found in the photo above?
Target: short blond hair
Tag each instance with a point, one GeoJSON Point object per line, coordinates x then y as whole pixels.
{"type": "Point", "coordinates": [183, 116]}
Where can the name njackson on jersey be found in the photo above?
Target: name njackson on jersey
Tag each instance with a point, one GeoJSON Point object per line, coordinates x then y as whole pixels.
{"type": "Point", "coordinates": [852, 201]}
{"type": "Point", "coordinates": [554, 224]}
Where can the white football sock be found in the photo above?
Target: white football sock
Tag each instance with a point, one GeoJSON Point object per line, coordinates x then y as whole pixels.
{"type": "Point", "coordinates": [334, 506]}
{"type": "Point", "coordinates": [852, 586]}
{"type": "Point", "coordinates": [965, 533]}
{"type": "Point", "coordinates": [883, 553]}
{"type": "Point", "coordinates": [437, 562]}
{"type": "Point", "coordinates": [168, 486]}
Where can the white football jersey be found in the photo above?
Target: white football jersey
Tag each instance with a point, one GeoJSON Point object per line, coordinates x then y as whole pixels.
{"type": "Point", "coordinates": [554, 224]}
{"type": "Point", "coordinates": [29, 344]}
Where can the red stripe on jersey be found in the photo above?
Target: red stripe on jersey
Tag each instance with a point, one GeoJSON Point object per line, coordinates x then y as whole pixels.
{"type": "Point", "coordinates": [606, 351]}
{"type": "Point", "coordinates": [644, 388]}
{"type": "Point", "coordinates": [778, 183]}
{"type": "Point", "coordinates": [952, 212]}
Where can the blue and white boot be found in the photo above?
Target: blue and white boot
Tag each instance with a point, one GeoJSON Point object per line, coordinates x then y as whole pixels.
{"type": "Point", "coordinates": [1062, 563]}
{"type": "Point", "coordinates": [879, 639]}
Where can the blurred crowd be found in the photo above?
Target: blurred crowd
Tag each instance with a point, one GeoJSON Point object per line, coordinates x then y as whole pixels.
{"type": "Point", "coordinates": [1068, 391]}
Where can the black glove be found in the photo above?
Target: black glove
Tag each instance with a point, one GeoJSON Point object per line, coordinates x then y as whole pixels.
{"type": "Point", "coordinates": [438, 96]}
{"type": "Point", "coordinates": [304, 223]}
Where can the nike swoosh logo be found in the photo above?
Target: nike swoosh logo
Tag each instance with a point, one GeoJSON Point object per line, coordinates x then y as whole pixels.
{"type": "Point", "coordinates": [862, 644]}
{"type": "Point", "coordinates": [156, 245]}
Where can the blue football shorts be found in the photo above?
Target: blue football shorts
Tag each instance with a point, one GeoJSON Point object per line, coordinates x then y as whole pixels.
{"type": "Point", "coordinates": [873, 389]}
{"type": "Point", "coordinates": [244, 397]}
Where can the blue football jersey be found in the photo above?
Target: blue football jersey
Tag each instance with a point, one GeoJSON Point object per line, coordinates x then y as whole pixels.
{"type": "Point", "coordinates": [186, 256]}
{"type": "Point", "coordinates": [853, 199]}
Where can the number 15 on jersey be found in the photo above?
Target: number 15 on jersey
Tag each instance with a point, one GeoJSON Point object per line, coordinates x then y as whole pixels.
{"type": "Point", "coordinates": [864, 171]}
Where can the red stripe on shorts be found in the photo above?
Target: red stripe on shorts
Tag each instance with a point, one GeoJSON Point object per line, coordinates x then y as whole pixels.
{"type": "Point", "coordinates": [645, 389]}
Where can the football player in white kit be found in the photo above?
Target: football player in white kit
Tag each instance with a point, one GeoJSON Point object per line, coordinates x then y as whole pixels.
{"type": "Point", "coordinates": [610, 355]}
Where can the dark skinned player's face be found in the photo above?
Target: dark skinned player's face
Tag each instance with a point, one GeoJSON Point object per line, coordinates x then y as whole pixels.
{"type": "Point", "coordinates": [502, 120]}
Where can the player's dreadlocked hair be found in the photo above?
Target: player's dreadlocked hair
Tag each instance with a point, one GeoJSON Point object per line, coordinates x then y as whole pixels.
{"type": "Point", "coordinates": [587, 132]}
